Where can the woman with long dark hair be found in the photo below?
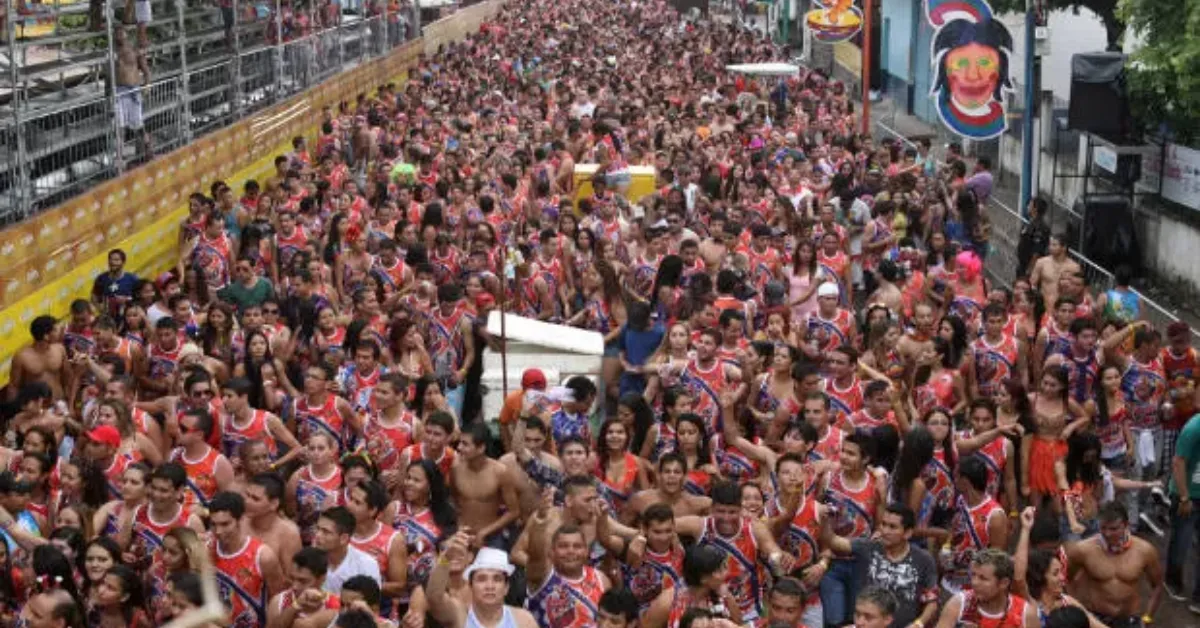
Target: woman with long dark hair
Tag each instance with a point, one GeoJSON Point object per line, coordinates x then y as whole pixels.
{"type": "Point", "coordinates": [100, 555]}
{"type": "Point", "coordinates": [937, 382]}
{"type": "Point", "coordinates": [133, 494]}
{"type": "Point", "coordinates": [1110, 418]}
{"type": "Point", "coordinates": [938, 473]}
{"type": "Point", "coordinates": [604, 312]}
{"type": "Point", "coordinates": [53, 570]}
{"type": "Point", "coordinates": [216, 334]}
{"type": "Point", "coordinates": [1055, 416]}
{"type": "Point", "coordinates": [954, 331]}
{"type": "Point", "coordinates": [908, 482]}
{"type": "Point", "coordinates": [118, 601]}
{"type": "Point", "coordinates": [426, 518]}
{"type": "Point", "coordinates": [428, 397]}
{"type": "Point", "coordinates": [620, 473]}
{"type": "Point", "coordinates": [667, 292]}
{"type": "Point", "coordinates": [635, 412]}
{"type": "Point", "coordinates": [691, 444]}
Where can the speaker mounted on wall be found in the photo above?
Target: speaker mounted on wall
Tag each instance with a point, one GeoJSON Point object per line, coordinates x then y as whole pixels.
{"type": "Point", "coordinates": [1099, 96]}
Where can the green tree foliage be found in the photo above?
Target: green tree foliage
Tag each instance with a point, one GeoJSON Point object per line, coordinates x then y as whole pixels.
{"type": "Point", "coordinates": [1164, 78]}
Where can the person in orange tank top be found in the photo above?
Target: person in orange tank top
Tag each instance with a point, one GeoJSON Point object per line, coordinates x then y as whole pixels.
{"type": "Point", "coordinates": [100, 447]}
{"type": "Point", "coordinates": [843, 388]}
{"type": "Point", "coordinates": [140, 530]}
{"type": "Point", "coordinates": [319, 410]}
{"type": "Point", "coordinates": [314, 487]}
{"type": "Point", "coordinates": [995, 356]}
{"type": "Point", "coordinates": [248, 572]}
{"type": "Point", "coordinates": [306, 599]}
{"type": "Point", "coordinates": [124, 388]}
{"type": "Point", "coordinates": [241, 423]}
{"type": "Point", "coordinates": [435, 434]}
{"type": "Point", "coordinates": [979, 523]}
{"type": "Point", "coordinates": [208, 470]}
{"type": "Point", "coordinates": [390, 427]}
{"type": "Point", "coordinates": [706, 571]}
{"type": "Point", "coordinates": [989, 603]}
{"type": "Point", "coordinates": [379, 540]}
{"type": "Point", "coordinates": [748, 543]}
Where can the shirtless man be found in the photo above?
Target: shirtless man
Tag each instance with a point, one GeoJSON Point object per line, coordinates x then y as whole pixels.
{"type": "Point", "coordinates": [44, 360]}
{"type": "Point", "coordinates": [1047, 270]}
{"type": "Point", "coordinates": [264, 494]}
{"type": "Point", "coordinates": [529, 461]}
{"type": "Point", "coordinates": [132, 73]}
{"type": "Point", "coordinates": [672, 471]}
{"type": "Point", "coordinates": [1107, 570]}
{"type": "Point", "coordinates": [920, 339]}
{"type": "Point", "coordinates": [888, 292]}
{"type": "Point", "coordinates": [480, 484]}
{"type": "Point", "coordinates": [712, 248]}
{"type": "Point", "coordinates": [253, 458]}
{"type": "Point", "coordinates": [564, 179]}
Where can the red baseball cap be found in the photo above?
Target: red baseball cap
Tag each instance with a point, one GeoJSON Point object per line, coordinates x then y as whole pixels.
{"type": "Point", "coordinates": [533, 379]}
{"type": "Point", "coordinates": [105, 434]}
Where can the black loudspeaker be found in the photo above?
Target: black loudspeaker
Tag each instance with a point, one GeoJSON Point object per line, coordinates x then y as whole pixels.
{"type": "Point", "coordinates": [1109, 237]}
{"type": "Point", "coordinates": [1129, 169]}
{"type": "Point", "coordinates": [1099, 96]}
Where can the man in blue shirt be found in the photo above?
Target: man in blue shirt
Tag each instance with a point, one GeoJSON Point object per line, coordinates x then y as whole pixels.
{"type": "Point", "coordinates": [113, 289]}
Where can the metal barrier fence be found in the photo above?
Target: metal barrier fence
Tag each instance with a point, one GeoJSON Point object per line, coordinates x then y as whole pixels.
{"type": "Point", "coordinates": [1001, 262]}
{"type": "Point", "coordinates": [63, 152]}
{"type": "Point", "coordinates": [64, 127]}
{"type": "Point", "coordinates": [1001, 265]}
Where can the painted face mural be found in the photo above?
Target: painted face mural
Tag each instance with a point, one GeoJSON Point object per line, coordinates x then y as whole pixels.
{"type": "Point", "coordinates": [835, 20]}
{"type": "Point", "coordinates": [971, 64]}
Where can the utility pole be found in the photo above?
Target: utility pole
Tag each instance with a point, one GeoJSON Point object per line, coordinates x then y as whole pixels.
{"type": "Point", "coordinates": [1031, 90]}
{"type": "Point", "coordinates": [868, 23]}
{"type": "Point", "coordinates": [787, 5]}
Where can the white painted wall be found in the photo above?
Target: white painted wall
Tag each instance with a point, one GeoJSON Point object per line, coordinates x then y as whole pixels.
{"type": "Point", "coordinates": [1162, 241]}
{"type": "Point", "coordinates": [1069, 34]}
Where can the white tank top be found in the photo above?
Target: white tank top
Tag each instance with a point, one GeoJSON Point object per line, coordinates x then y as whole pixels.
{"type": "Point", "coordinates": [506, 620]}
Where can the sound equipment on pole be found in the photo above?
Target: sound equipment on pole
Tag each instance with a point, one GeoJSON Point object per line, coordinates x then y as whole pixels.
{"type": "Point", "coordinates": [1109, 237]}
{"type": "Point", "coordinates": [1099, 96]}
{"type": "Point", "coordinates": [1129, 169]}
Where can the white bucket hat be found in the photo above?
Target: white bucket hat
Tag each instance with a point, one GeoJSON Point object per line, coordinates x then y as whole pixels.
{"type": "Point", "coordinates": [491, 559]}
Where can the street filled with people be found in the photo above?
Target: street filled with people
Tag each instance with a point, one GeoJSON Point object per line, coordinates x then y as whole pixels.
{"type": "Point", "coordinates": [814, 407]}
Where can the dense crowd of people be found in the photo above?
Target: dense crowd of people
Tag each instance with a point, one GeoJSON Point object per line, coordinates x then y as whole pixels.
{"type": "Point", "coordinates": [813, 408]}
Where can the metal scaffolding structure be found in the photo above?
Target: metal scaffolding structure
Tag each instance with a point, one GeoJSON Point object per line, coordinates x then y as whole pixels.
{"type": "Point", "coordinates": [66, 124]}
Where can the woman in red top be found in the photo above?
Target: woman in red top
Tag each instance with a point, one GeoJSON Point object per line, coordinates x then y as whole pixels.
{"type": "Point", "coordinates": [691, 444]}
{"type": "Point", "coordinates": [937, 383]}
{"type": "Point", "coordinates": [621, 473]}
{"type": "Point", "coordinates": [314, 487]}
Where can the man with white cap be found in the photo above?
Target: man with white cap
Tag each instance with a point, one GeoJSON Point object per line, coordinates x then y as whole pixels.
{"type": "Point", "coordinates": [831, 326]}
{"type": "Point", "coordinates": [488, 577]}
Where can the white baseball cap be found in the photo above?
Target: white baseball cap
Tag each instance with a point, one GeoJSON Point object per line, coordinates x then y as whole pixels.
{"type": "Point", "coordinates": [828, 289]}
{"type": "Point", "coordinates": [490, 559]}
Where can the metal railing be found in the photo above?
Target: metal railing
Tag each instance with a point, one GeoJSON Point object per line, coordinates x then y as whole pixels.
{"type": "Point", "coordinates": [64, 127]}
{"type": "Point", "coordinates": [1001, 265]}
{"type": "Point", "coordinates": [1001, 262]}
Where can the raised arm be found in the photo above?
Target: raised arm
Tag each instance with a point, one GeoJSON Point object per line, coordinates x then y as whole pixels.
{"type": "Point", "coordinates": [537, 569]}
{"type": "Point", "coordinates": [442, 606]}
